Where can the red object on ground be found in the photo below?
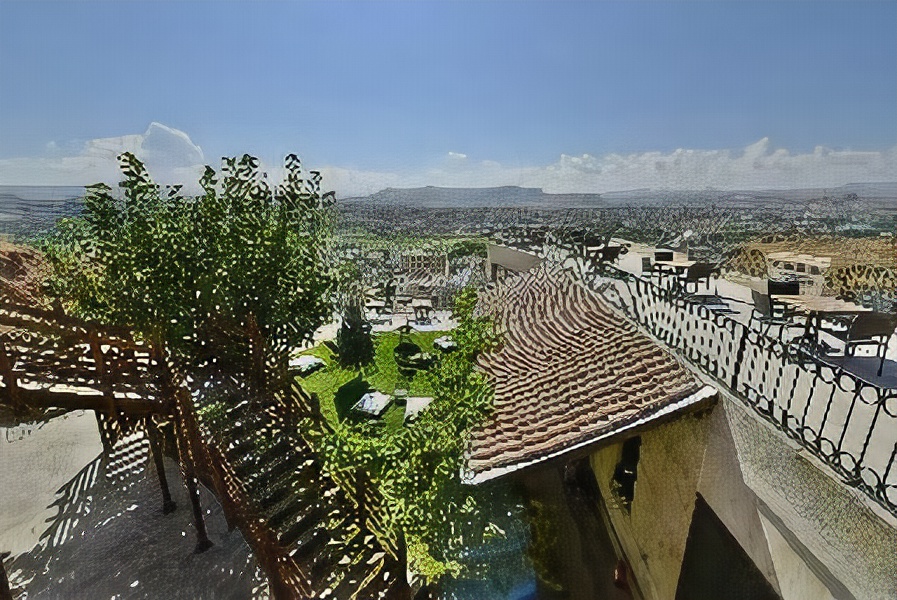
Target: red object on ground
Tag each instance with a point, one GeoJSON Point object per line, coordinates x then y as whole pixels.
{"type": "Point", "coordinates": [621, 575]}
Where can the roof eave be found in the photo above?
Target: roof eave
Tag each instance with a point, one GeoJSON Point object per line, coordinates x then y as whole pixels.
{"type": "Point", "coordinates": [703, 397]}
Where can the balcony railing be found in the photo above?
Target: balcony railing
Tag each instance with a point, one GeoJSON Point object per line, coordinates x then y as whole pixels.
{"type": "Point", "coordinates": [846, 420]}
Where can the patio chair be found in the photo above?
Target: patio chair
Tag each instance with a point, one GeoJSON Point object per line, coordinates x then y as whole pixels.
{"type": "Point", "coordinates": [695, 274]}
{"type": "Point", "coordinates": [781, 288]}
{"type": "Point", "coordinates": [764, 314]}
{"type": "Point", "coordinates": [869, 329]}
{"type": "Point", "coordinates": [647, 267]}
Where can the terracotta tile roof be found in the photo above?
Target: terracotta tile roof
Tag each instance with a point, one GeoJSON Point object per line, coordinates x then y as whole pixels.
{"type": "Point", "coordinates": [570, 371]}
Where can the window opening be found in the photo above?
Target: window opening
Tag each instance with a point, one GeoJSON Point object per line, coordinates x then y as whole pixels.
{"type": "Point", "coordinates": [626, 471]}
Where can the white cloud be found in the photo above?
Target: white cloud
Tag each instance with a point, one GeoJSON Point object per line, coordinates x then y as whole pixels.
{"type": "Point", "coordinates": [172, 157]}
{"type": "Point", "coordinates": [168, 153]}
{"type": "Point", "coordinates": [757, 166]}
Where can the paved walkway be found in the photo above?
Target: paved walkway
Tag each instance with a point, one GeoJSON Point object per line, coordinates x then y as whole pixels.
{"type": "Point", "coordinates": [111, 540]}
{"type": "Point", "coordinates": [36, 459]}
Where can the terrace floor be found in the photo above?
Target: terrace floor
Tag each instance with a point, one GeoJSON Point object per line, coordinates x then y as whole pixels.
{"type": "Point", "coordinates": [837, 407]}
{"type": "Point", "coordinates": [736, 291]}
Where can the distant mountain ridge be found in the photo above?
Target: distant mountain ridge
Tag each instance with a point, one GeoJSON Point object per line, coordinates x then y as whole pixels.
{"type": "Point", "coordinates": [514, 196]}
{"type": "Point", "coordinates": [441, 197]}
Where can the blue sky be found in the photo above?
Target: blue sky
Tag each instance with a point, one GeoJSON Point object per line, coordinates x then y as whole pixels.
{"type": "Point", "coordinates": [389, 89]}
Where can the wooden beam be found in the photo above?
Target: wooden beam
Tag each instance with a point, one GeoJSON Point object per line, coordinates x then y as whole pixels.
{"type": "Point", "coordinates": [82, 401]}
{"type": "Point", "coordinates": [65, 320]}
{"type": "Point", "coordinates": [152, 432]}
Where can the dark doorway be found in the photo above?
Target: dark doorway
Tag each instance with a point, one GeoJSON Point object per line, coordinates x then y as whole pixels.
{"type": "Point", "coordinates": [715, 565]}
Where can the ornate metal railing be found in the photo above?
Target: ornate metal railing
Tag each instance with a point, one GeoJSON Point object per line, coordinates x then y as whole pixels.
{"type": "Point", "coordinates": [847, 421]}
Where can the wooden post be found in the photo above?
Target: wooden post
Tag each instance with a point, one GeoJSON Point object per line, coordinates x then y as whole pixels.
{"type": "Point", "coordinates": [105, 436]}
{"type": "Point", "coordinates": [203, 542]}
{"type": "Point", "coordinates": [185, 450]}
{"type": "Point", "coordinates": [168, 505]}
{"type": "Point", "coordinates": [401, 589]}
{"type": "Point", "coordinates": [5, 592]}
{"type": "Point", "coordinates": [175, 402]}
{"type": "Point", "coordinates": [99, 362]}
{"type": "Point", "coordinates": [256, 352]}
{"type": "Point", "coordinates": [9, 376]}
{"type": "Point", "coordinates": [361, 490]}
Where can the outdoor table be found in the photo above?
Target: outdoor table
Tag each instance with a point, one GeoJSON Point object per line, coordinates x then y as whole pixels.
{"type": "Point", "coordinates": [815, 307]}
{"type": "Point", "coordinates": [713, 303]}
{"type": "Point", "coordinates": [445, 343]}
{"type": "Point", "coordinates": [381, 311]}
{"type": "Point", "coordinates": [306, 364]}
{"type": "Point", "coordinates": [416, 405]}
{"type": "Point", "coordinates": [379, 306]}
{"type": "Point", "coordinates": [373, 404]}
{"type": "Point", "coordinates": [675, 266]}
{"type": "Point", "coordinates": [608, 253]}
{"type": "Point", "coordinates": [422, 308]}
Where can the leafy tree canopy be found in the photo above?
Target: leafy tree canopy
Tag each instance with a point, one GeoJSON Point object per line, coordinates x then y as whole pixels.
{"type": "Point", "coordinates": [207, 273]}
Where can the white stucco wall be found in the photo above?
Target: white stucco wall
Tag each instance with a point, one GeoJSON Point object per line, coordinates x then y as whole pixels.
{"type": "Point", "coordinates": [847, 544]}
{"type": "Point", "coordinates": [796, 579]}
{"type": "Point", "coordinates": [723, 488]}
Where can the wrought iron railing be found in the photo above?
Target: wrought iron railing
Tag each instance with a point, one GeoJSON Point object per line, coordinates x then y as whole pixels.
{"type": "Point", "coordinates": [847, 421]}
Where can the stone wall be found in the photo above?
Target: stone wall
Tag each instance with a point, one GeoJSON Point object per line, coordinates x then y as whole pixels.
{"type": "Point", "coordinates": [810, 536]}
{"type": "Point", "coordinates": [654, 531]}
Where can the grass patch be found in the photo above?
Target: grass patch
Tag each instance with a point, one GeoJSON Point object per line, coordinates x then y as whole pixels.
{"type": "Point", "coordinates": [381, 374]}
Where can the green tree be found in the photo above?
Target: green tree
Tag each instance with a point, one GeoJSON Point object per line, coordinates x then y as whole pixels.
{"type": "Point", "coordinates": [353, 339]}
{"type": "Point", "coordinates": [418, 469]}
{"type": "Point", "coordinates": [468, 248]}
{"type": "Point", "coordinates": [231, 278]}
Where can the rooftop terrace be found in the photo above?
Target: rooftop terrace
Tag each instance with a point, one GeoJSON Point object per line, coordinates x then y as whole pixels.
{"type": "Point", "coordinates": [837, 408]}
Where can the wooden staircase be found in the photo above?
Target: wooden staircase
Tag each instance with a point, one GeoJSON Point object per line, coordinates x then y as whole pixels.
{"type": "Point", "coordinates": [308, 536]}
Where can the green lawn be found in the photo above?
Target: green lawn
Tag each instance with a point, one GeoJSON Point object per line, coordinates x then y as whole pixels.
{"type": "Point", "coordinates": [382, 375]}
